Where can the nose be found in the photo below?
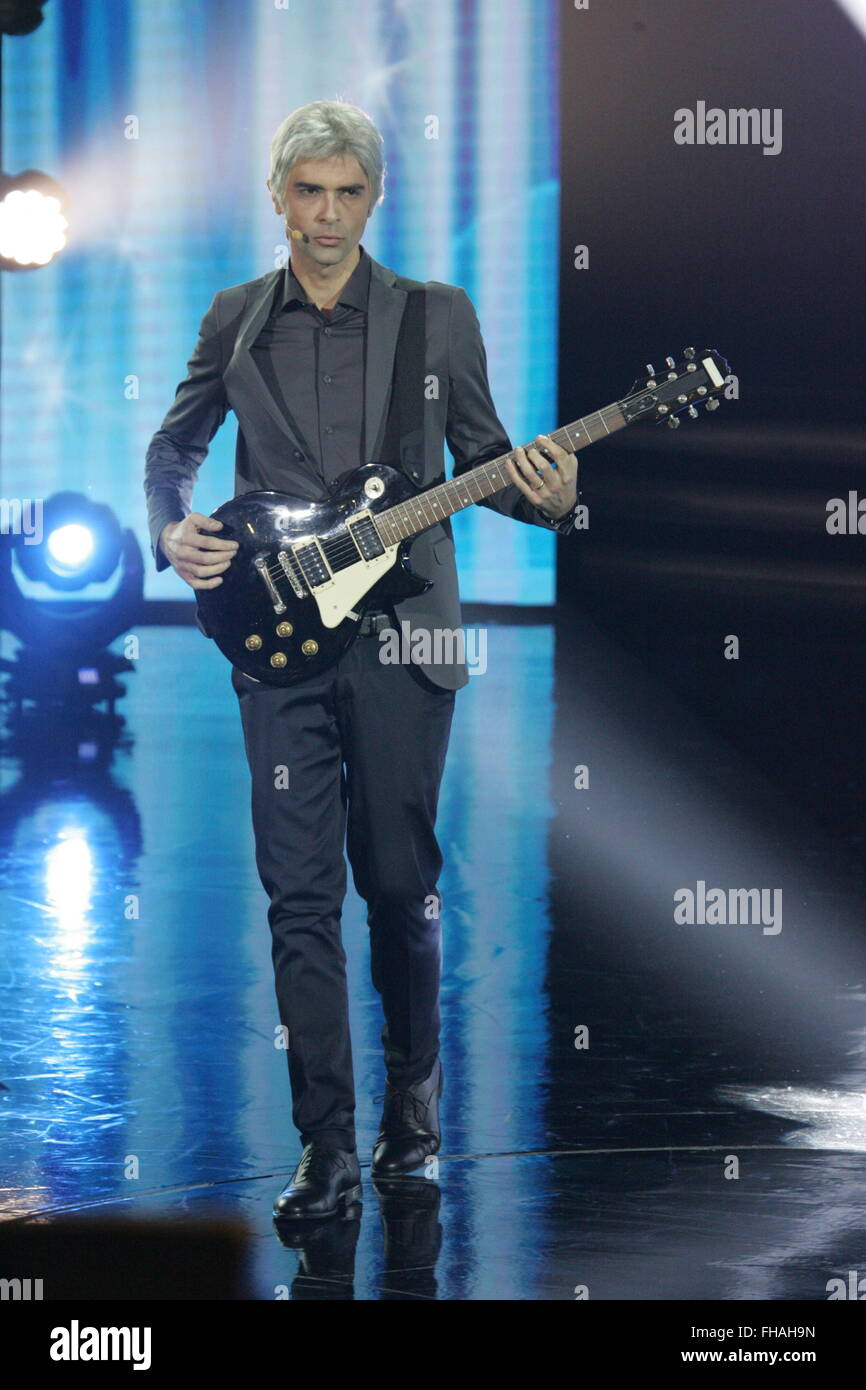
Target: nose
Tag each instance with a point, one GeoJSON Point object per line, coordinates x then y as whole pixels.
{"type": "Point", "coordinates": [329, 213]}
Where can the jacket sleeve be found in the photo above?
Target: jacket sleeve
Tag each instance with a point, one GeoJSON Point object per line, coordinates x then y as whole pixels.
{"type": "Point", "coordinates": [180, 445]}
{"type": "Point", "coordinates": [473, 430]}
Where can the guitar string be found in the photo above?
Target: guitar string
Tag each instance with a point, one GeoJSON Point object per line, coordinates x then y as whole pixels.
{"type": "Point", "coordinates": [345, 548]}
{"type": "Point", "coordinates": [345, 552]}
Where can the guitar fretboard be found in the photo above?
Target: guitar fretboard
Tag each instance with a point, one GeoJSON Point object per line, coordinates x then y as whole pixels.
{"type": "Point", "coordinates": [408, 518]}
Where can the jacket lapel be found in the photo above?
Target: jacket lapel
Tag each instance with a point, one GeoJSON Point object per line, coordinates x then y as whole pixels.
{"type": "Point", "coordinates": [242, 375]}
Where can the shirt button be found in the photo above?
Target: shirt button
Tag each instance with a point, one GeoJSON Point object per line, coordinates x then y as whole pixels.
{"type": "Point", "coordinates": [327, 378]}
{"type": "Point", "coordinates": [327, 332]}
{"type": "Point", "coordinates": [329, 429]}
{"type": "Point", "coordinates": [298, 455]}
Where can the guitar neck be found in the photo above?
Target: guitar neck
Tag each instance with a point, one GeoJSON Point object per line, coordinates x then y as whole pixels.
{"type": "Point", "coordinates": [420, 513]}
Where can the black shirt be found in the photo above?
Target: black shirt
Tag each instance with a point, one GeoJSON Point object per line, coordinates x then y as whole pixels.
{"type": "Point", "coordinates": [314, 362]}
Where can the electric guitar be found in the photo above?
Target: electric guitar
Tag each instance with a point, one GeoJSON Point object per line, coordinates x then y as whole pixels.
{"type": "Point", "coordinates": [303, 574]}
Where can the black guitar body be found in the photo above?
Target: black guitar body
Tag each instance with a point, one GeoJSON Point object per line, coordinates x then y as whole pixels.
{"type": "Point", "coordinates": [304, 573]}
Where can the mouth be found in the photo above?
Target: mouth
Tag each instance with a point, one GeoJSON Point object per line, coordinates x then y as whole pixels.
{"type": "Point", "coordinates": [328, 240]}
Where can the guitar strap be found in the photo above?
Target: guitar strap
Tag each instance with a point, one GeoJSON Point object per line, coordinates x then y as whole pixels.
{"type": "Point", "coordinates": [404, 429]}
{"type": "Point", "coordinates": [403, 441]}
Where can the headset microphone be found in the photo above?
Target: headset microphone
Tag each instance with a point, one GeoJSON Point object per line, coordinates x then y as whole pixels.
{"type": "Point", "coordinates": [297, 235]}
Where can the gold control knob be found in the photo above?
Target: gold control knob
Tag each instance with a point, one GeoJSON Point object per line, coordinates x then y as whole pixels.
{"type": "Point", "coordinates": [253, 643]}
{"type": "Point", "coordinates": [284, 629]}
{"type": "Point", "coordinates": [279, 659]}
{"type": "Point", "coordinates": [310, 647]}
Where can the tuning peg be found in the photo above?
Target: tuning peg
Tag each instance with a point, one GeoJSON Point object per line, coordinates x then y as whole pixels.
{"type": "Point", "coordinates": [693, 412]}
{"type": "Point", "coordinates": [713, 403]}
{"type": "Point", "coordinates": [673, 422]}
{"type": "Point", "coordinates": [669, 362]}
{"type": "Point", "coordinates": [651, 371]}
{"type": "Point", "coordinates": [688, 354]}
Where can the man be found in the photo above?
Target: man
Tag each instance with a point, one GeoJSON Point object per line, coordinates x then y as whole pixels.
{"type": "Point", "coordinates": [305, 356]}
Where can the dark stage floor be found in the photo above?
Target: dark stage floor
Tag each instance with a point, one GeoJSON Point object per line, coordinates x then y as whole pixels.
{"type": "Point", "coordinates": [635, 1108]}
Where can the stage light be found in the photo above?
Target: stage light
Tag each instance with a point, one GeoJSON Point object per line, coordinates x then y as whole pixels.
{"type": "Point", "coordinates": [20, 16]}
{"type": "Point", "coordinates": [64, 659]}
{"type": "Point", "coordinates": [80, 543]}
{"type": "Point", "coordinates": [32, 225]}
{"type": "Point", "coordinates": [69, 548]}
{"type": "Point", "coordinates": [856, 12]}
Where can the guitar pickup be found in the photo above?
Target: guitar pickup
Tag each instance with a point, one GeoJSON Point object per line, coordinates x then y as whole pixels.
{"type": "Point", "coordinates": [311, 561]}
{"type": "Point", "coordinates": [367, 540]}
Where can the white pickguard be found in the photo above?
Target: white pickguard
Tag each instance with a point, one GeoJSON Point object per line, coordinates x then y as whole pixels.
{"type": "Point", "coordinates": [342, 591]}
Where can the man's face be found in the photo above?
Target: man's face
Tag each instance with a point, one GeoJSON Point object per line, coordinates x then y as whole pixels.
{"type": "Point", "coordinates": [326, 198]}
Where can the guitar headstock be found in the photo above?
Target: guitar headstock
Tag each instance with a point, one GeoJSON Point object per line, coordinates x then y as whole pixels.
{"type": "Point", "coordinates": [697, 379]}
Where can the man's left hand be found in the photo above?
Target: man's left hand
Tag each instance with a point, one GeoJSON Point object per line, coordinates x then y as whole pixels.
{"type": "Point", "coordinates": [549, 484]}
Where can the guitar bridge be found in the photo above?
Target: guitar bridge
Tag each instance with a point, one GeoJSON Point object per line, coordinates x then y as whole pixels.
{"type": "Point", "coordinates": [285, 558]}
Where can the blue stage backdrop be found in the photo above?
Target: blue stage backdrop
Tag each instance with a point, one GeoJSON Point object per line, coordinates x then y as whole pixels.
{"type": "Point", "coordinates": [157, 118]}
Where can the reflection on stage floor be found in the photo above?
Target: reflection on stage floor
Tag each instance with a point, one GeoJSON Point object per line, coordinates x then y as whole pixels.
{"type": "Point", "coordinates": [635, 1107]}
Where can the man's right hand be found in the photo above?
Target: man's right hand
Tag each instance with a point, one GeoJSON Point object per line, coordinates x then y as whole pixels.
{"type": "Point", "coordinates": [198, 559]}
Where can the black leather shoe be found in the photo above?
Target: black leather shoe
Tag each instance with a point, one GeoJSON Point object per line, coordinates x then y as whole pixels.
{"type": "Point", "coordinates": [409, 1131]}
{"type": "Point", "coordinates": [326, 1181]}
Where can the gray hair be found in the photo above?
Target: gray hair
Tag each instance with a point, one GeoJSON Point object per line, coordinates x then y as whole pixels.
{"type": "Point", "coordinates": [323, 129]}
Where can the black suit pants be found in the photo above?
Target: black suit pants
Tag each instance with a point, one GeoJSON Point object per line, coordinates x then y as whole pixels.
{"type": "Point", "coordinates": [352, 757]}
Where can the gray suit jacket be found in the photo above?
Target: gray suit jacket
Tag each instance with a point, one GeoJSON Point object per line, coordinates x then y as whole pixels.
{"type": "Point", "coordinates": [223, 376]}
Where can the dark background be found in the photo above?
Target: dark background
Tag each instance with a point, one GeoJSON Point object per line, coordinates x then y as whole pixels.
{"type": "Point", "coordinates": [719, 528]}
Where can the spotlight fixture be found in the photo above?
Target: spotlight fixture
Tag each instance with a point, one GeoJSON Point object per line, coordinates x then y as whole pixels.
{"type": "Point", "coordinates": [64, 658]}
{"type": "Point", "coordinates": [20, 16]}
{"type": "Point", "coordinates": [79, 543]}
{"type": "Point", "coordinates": [32, 225]}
